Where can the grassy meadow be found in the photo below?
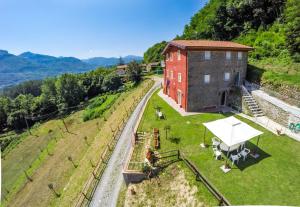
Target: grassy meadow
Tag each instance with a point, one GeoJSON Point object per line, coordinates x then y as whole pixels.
{"type": "Point", "coordinates": [269, 180]}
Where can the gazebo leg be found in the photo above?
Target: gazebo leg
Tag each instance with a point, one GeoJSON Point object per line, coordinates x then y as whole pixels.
{"type": "Point", "coordinates": [226, 168]}
{"type": "Point", "coordinates": [203, 145]}
{"type": "Point", "coordinates": [254, 154]}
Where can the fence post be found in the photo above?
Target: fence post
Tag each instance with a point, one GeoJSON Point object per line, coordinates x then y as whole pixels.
{"type": "Point", "coordinates": [95, 176]}
{"type": "Point", "coordinates": [86, 197]}
{"type": "Point", "coordinates": [221, 202]}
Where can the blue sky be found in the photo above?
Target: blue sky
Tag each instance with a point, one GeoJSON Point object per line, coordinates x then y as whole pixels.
{"type": "Point", "coordinates": [88, 28]}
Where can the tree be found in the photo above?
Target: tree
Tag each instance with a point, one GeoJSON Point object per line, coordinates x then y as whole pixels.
{"type": "Point", "coordinates": [292, 19]}
{"type": "Point", "coordinates": [69, 90]}
{"type": "Point", "coordinates": [21, 107]}
{"type": "Point", "coordinates": [111, 82]}
{"type": "Point", "coordinates": [153, 54]}
{"type": "Point", "coordinates": [4, 111]}
{"type": "Point", "coordinates": [32, 87]}
{"type": "Point", "coordinates": [47, 101]}
{"type": "Point", "coordinates": [134, 72]}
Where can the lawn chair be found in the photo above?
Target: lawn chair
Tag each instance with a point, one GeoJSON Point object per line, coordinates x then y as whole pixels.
{"type": "Point", "coordinates": [234, 158]}
{"type": "Point", "coordinates": [244, 153]}
{"type": "Point", "coordinates": [215, 141]}
{"type": "Point", "coordinates": [159, 114]}
{"type": "Point", "coordinates": [243, 145]}
{"type": "Point", "coordinates": [217, 153]}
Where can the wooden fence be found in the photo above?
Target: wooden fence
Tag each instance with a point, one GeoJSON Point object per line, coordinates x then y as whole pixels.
{"type": "Point", "coordinates": [200, 177]}
{"type": "Point", "coordinates": [86, 195]}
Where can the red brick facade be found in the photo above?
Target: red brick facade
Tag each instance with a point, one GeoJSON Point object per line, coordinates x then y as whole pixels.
{"type": "Point", "coordinates": [201, 75]}
{"type": "Point", "coordinates": [176, 66]}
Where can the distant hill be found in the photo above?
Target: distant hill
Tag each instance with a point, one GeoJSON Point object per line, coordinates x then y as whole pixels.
{"type": "Point", "coordinates": [30, 66]}
{"type": "Point", "coordinates": [102, 61]}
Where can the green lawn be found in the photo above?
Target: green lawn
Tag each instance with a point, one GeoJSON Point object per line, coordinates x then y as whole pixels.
{"type": "Point", "coordinates": [273, 179]}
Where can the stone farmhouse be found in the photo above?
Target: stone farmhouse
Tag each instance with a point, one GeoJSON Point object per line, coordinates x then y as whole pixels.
{"type": "Point", "coordinates": [201, 74]}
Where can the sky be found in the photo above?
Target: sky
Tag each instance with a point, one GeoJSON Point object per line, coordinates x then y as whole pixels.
{"type": "Point", "coordinates": [91, 28]}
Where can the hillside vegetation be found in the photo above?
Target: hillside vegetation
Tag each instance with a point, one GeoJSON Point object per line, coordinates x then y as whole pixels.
{"type": "Point", "coordinates": [62, 153]}
{"type": "Point", "coordinates": [272, 27]}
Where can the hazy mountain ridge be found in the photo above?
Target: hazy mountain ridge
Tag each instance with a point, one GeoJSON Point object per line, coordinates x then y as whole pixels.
{"type": "Point", "coordinates": [29, 66]}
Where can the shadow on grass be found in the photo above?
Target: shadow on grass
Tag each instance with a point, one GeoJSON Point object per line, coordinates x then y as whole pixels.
{"type": "Point", "coordinates": [175, 140]}
{"type": "Point", "coordinates": [249, 161]}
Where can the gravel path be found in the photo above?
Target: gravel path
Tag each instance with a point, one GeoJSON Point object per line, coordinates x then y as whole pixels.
{"type": "Point", "coordinates": [110, 184]}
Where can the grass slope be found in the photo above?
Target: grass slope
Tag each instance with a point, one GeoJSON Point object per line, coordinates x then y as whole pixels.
{"type": "Point", "coordinates": [56, 168]}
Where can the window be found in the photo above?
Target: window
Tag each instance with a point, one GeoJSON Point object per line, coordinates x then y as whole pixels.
{"type": "Point", "coordinates": [228, 55]}
{"type": "Point", "coordinates": [178, 55]}
{"type": "Point", "coordinates": [240, 55]}
{"type": "Point", "coordinates": [171, 74]}
{"type": "Point", "coordinates": [207, 55]}
{"type": "Point", "coordinates": [226, 76]}
{"type": "Point", "coordinates": [179, 77]}
{"type": "Point", "coordinates": [167, 56]}
{"type": "Point", "coordinates": [206, 78]}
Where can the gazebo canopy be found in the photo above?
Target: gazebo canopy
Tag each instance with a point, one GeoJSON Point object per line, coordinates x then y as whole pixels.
{"type": "Point", "coordinates": [231, 130]}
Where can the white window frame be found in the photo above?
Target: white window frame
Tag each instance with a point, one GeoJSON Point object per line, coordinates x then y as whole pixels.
{"type": "Point", "coordinates": [167, 57]}
{"type": "Point", "coordinates": [179, 77]}
{"type": "Point", "coordinates": [178, 55]}
{"type": "Point", "coordinates": [207, 55]}
{"type": "Point", "coordinates": [240, 55]}
{"type": "Point", "coordinates": [226, 76]}
{"type": "Point", "coordinates": [207, 78]}
{"type": "Point", "coordinates": [171, 56]}
{"type": "Point", "coordinates": [228, 55]}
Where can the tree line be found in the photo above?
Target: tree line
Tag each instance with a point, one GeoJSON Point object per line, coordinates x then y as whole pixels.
{"type": "Point", "coordinates": [230, 19]}
{"type": "Point", "coordinates": [56, 94]}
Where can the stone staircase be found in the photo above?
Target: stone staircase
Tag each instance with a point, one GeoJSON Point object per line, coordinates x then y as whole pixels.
{"type": "Point", "coordinates": [251, 103]}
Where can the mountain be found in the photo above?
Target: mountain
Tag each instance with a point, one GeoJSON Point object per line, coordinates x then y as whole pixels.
{"type": "Point", "coordinates": [103, 61]}
{"type": "Point", "coordinates": [30, 66]}
{"type": "Point", "coordinates": [13, 63]}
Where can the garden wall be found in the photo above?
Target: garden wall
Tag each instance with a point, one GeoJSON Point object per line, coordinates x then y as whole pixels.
{"type": "Point", "coordinates": [273, 112]}
{"type": "Point", "coordinates": [133, 176]}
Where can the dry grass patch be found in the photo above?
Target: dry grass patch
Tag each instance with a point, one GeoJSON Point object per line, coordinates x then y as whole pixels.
{"type": "Point", "coordinates": [171, 189]}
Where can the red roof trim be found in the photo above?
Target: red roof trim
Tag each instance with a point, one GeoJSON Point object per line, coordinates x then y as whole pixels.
{"type": "Point", "coordinates": [206, 44]}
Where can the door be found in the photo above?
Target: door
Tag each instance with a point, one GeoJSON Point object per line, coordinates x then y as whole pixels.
{"type": "Point", "coordinates": [237, 79]}
{"type": "Point", "coordinates": [223, 98]}
{"type": "Point", "coordinates": [179, 97]}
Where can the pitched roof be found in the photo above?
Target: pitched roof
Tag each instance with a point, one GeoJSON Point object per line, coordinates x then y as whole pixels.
{"type": "Point", "coordinates": [207, 44]}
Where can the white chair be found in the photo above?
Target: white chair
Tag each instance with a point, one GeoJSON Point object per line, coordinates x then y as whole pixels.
{"type": "Point", "coordinates": [217, 153]}
{"type": "Point", "coordinates": [235, 158]}
{"type": "Point", "coordinates": [244, 153]}
{"type": "Point", "coordinates": [243, 145]}
{"type": "Point", "coordinates": [215, 141]}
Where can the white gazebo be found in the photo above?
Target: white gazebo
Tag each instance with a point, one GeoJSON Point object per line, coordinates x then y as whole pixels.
{"type": "Point", "coordinates": [231, 131]}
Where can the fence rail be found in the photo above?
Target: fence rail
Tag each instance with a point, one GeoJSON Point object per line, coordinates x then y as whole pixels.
{"type": "Point", "coordinates": [200, 177]}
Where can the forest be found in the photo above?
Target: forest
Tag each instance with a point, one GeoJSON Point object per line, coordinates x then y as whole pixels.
{"type": "Point", "coordinates": [24, 104]}
{"type": "Point", "coordinates": [272, 27]}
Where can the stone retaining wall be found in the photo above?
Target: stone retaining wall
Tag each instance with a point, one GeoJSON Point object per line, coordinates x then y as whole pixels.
{"type": "Point", "coordinates": [133, 177]}
{"type": "Point", "coordinates": [273, 112]}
